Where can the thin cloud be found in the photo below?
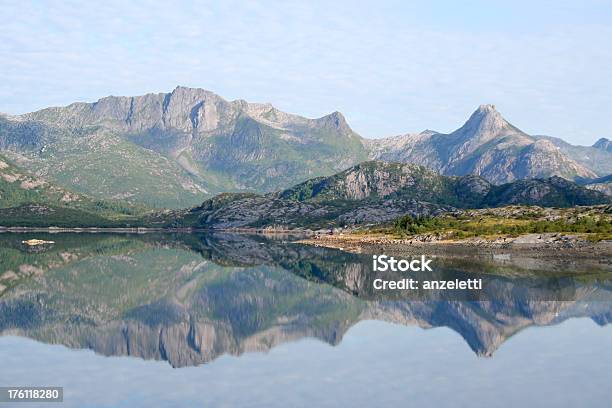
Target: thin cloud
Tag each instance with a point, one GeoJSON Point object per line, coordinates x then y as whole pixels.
{"type": "Point", "coordinates": [392, 69]}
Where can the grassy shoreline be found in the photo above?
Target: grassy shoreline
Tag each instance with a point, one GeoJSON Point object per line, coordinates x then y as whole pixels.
{"type": "Point", "coordinates": [593, 223]}
{"type": "Point", "coordinates": [559, 232]}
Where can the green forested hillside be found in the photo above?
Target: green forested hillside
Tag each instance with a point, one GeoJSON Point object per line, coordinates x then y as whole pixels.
{"type": "Point", "coordinates": [27, 200]}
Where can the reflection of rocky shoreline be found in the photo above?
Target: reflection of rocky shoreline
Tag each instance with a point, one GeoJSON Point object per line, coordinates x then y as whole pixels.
{"type": "Point", "coordinates": [189, 301]}
{"type": "Point", "coordinates": [544, 246]}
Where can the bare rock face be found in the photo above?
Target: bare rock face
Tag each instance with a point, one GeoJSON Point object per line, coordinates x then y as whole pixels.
{"type": "Point", "coordinates": [603, 144]}
{"type": "Point", "coordinates": [484, 124]}
{"type": "Point", "coordinates": [183, 109]}
{"type": "Point", "coordinates": [542, 158]}
{"type": "Point", "coordinates": [361, 181]}
{"type": "Point", "coordinates": [595, 158]}
{"type": "Point", "coordinates": [605, 188]}
{"type": "Point", "coordinates": [474, 185]}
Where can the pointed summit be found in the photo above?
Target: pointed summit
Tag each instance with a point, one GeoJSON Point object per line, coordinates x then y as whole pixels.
{"type": "Point", "coordinates": [336, 118]}
{"type": "Point", "coordinates": [484, 125]}
{"type": "Point", "coordinates": [336, 121]}
{"type": "Point", "coordinates": [486, 120]}
{"type": "Point", "coordinates": [487, 107]}
{"type": "Point", "coordinates": [603, 144]}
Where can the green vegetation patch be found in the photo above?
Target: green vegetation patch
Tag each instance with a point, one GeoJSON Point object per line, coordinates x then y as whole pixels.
{"type": "Point", "coordinates": [595, 222]}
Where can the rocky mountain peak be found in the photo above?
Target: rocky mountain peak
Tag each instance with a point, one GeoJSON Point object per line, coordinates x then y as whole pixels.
{"type": "Point", "coordinates": [335, 120]}
{"type": "Point", "coordinates": [185, 97]}
{"type": "Point", "coordinates": [485, 120]}
{"type": "Point", "coordinates": [185, 90]}
{"type": "Point", "coordinates": [487, 107]}
{"type": "Point", "coordinates": [484, 125]}
{"type": "Point", "coordinates": [603, 144]}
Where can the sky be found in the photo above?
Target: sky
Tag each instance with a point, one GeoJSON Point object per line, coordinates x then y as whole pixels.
{"type": "Point", "coordinates": [391, 67]}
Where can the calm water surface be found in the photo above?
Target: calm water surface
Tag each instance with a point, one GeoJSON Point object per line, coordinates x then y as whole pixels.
{"type": "Point", "coordinates": [227, 320]}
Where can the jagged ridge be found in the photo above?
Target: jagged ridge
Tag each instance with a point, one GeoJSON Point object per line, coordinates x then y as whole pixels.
{"type": "Point", "coordinates": [375, 192]}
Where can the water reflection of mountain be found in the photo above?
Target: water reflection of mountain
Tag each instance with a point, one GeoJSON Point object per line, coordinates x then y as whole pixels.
{"type": "Point", "coordinates": [188, 299]}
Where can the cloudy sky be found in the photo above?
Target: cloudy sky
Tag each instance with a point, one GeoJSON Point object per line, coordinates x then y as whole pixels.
{"type": "Point", "coordinates": [390, 67]}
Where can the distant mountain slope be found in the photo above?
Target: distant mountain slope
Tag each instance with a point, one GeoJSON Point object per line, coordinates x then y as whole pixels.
{"type": "Point", "coordinates": [174, 149]}
{"type": "Point", "coordinates": [597, 157]}
{"type": "Point", "coordinates": [603, 144]}
{"type": "Point", "coordinates": [19, 187]}
{"type": "Point", "coordinates": [27, 200]}
{"type": "Point", "coordinates": [486, 145]}
{"type": "Point", "coordinates": [601, 184]}
{"type": "Point", "coordinates": [99, 163]}
{"type": "Point", "coordinates": [374, 192]}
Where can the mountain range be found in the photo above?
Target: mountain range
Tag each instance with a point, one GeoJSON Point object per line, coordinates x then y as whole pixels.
{"type": "Point", "coordinates": [371, 192]}
{"type": "Point", "coordinates": [190, 141]}
{"type": "Point", "coordinates": [176, 149]}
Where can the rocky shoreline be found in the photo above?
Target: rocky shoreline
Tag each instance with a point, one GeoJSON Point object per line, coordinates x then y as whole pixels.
{"type": "Point", "coordinates": [145, 230]}
{"type": "Point", "coordinates": [135, 230]}
{"type": "Point", "coordinates": [555, 245]}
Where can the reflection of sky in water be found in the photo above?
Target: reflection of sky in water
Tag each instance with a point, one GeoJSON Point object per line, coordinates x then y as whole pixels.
{"type": "Point", "coordinates": [376, 364]}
